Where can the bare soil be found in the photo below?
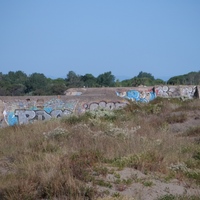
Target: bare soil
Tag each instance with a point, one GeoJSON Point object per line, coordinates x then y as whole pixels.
{"type": "Point", "coordinates": [153, 186]}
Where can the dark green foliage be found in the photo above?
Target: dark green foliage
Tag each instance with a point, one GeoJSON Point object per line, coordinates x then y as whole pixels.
{"type": "Point", "coordinates": [106, 79]}
{"type": "Point", "coordinates": [143, 78]}
{"type": "Point", "coordinates": [192, 78]}
{"type": "Point", "coordinates": [37, 84]}
{"type": "Point", "coordinates": [73, 80]}
{"type": "Point", "coordinates": [89, 80]}
{"type": "Point", "coordinates": [167, 197]}
{"type": "Point", "coordinates": [196, 156]}
{"type": "Point", "coordinates": [103, 183]}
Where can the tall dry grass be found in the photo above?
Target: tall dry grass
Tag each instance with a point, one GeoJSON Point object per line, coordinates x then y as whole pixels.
{"type": "Point", "coordinates": [58, 158]}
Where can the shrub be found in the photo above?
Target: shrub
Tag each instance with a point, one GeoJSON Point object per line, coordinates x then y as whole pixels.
{"type": "Point", "coordinates": [193, 131]}
{"type": "Point", "coordinates": [176, 118]}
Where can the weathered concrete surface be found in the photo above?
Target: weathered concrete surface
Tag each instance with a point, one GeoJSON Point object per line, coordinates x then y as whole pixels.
{"type": "Point", "coordinates": [189, 91]}
{"type": "Point", "coordinates": [26, 109]}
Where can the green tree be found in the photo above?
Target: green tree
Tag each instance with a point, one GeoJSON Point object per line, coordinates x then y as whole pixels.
{"type": "Point", "coordinates": [37, 84]}
{"type": "Point", "coordinates": [106, 79]}
{"type": "Point", "coordinates": [57, 87]}
{"type": "Point", "coordinates": [137, 81]}
{"type": "Point", "coordinates": [159, 82]}
{"type": "Point", "coordinates": [192, 78]}
{"type": "Point", "coordinates": [16, 89]}
{"type": "Point", "coordinates": [145, 75]}
{"type": "Point", "coordinates": [126, 83]}
{"type": "Point", "coordinates": [13, 83]}
{"type": "Point", "coordinates": [73, 80]}
{"type": "Point", "coordinates": [89, 80]}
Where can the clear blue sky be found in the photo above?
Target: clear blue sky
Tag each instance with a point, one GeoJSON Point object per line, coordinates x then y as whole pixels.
{"type": "Point", "coordinates": [161, 37]}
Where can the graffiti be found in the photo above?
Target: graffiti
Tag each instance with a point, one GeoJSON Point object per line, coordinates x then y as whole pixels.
{"type": "Point", "coordinates": [24, 111]}
{"type": "Point", "coordinates": [28, 116]}
{"type": "Point", "coordinates": [141, 96]}
{"type": "Point", "coordinates": [170, 91]}
{"type": "Point", "coordinates": [27, 110]}
{"type": "Point", "coordinates": [104, 105]}
{"type": "Point", "coordinates": [2, 113]}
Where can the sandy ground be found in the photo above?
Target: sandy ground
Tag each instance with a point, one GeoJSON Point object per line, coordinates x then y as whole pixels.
{"type": "Point", "coordinates": [147, 187]}
{"type": "Point", "coordinates": [152, 186]}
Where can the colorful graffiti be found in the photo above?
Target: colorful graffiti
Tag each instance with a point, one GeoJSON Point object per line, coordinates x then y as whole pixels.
{"type": "Point", "coordinates": [29, 116]}
{"type": "Point", "coordinates": [105, 105]}
{"type": "Point", "coordinates": [22, 111]}
{"type": "Point", "coordinates": [141, 96]}
{"type": "Point", "coordinates": [27, 111]}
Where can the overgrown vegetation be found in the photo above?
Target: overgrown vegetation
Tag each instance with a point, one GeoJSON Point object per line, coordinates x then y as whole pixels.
{"type": "Point", "coordinates": [70, 158]}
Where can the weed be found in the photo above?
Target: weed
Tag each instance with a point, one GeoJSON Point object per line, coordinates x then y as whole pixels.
{"type": "Point", "coordinates": [60, 159]}
{"type": "Point", "coordinates": [192, 131]}
{"type": "Point", "coordinates": [127, 181]}
{"type": "Point", "coordinates": [116, 175]}
{"type": "Point", "coordinates": [178, 197]}
{"type": "Point", "coordinates": [81, 163]}
{"type": "Point", "coordinates": [102, 183]}
{"type": "Point", "coordinates": [133, 107]}
{"type": "Point", "coordinates": [176, 118]}
{"type": "Point", "coordinates": [147, 183]}
{"type": "Point", "coordinates": [196, 156]}
{"type": "Point", "coordinates": [167, 197]}
{"type": "Point", "coordinates": [100, 170]}
{"type": "Point", "coordinates": [194, 174]}
{"type": "Point", "coordinates": [116, 195]}
{"type": "Point", "coordinates": [153, 108]}
{"type": "Point", "coordinates": [74, 119]}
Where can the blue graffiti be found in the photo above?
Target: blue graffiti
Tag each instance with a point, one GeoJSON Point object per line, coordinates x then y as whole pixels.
{"type": "Point", "coordinates": [11, 119]}
{"type": "Point", "coordinates": [138, 96]}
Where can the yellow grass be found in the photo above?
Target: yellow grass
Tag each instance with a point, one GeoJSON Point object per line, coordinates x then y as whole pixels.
{"type": "Point", "coordinates": [58, 158]}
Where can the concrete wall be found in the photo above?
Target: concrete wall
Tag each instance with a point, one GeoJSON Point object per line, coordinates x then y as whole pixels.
{"type": "Point", "coordinates": [27, 109]}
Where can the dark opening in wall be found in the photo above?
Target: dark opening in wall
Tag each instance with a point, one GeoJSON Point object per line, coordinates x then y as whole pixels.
{"type": "Point", "coordinates": [196, 93]}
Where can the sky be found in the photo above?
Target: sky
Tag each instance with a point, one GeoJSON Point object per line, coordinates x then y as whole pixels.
{"type": "Point", "coordinates": [53, 37]}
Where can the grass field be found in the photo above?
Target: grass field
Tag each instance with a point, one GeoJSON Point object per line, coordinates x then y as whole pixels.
{"type": "Point", "coordinates": [85, 157]}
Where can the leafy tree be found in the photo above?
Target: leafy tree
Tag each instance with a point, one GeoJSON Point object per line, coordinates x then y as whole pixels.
{"type": "Point", "coordinates": [137, 81]}
{"type": "Point", "coordinates": [145, 75]}
{"type": "Point", "coordinates": [13, 83]}
{"type": "Point", "coordinates": [89, 80]}
{"type": "Point", "coordinates": [16, 89]}
{"type": "Point", "coordinates": [73, 80]}
{"type": "Point", "coordinates": [57, 87]}
{"type": "Point", "coordinates": [17, 77]}
{"type": "Point", "coordinates": [176, 80]}
{"type": "Point", "coordinates": [106, 79]}
{"type": "Point", "coordinates": [37, 84]}
{"type": "Point", "coordinates": [127, 83]}
{"type": "Point", "coordinates": [159, 82]}
{"type": "Point", "coordinates": [118, 83]}
{"type": "Point", "coordinates": [192, 78]}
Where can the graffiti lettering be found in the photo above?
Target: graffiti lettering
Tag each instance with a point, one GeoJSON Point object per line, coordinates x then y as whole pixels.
{"type": "Point", "coordinates": [27, 116]}
{"type": "Point", "coordinates": [170, 91]}
{"type": "Point", "coordinates": [104, 105]}
{"type": "Point", "coordinates": [134, 95]}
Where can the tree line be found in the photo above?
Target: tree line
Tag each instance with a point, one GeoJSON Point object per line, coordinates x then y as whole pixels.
{"type": "Point", "coordinates": [19, 83]}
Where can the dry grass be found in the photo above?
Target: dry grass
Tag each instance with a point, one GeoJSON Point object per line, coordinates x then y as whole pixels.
{"type": "Point", "coordinates": [63, 159]}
